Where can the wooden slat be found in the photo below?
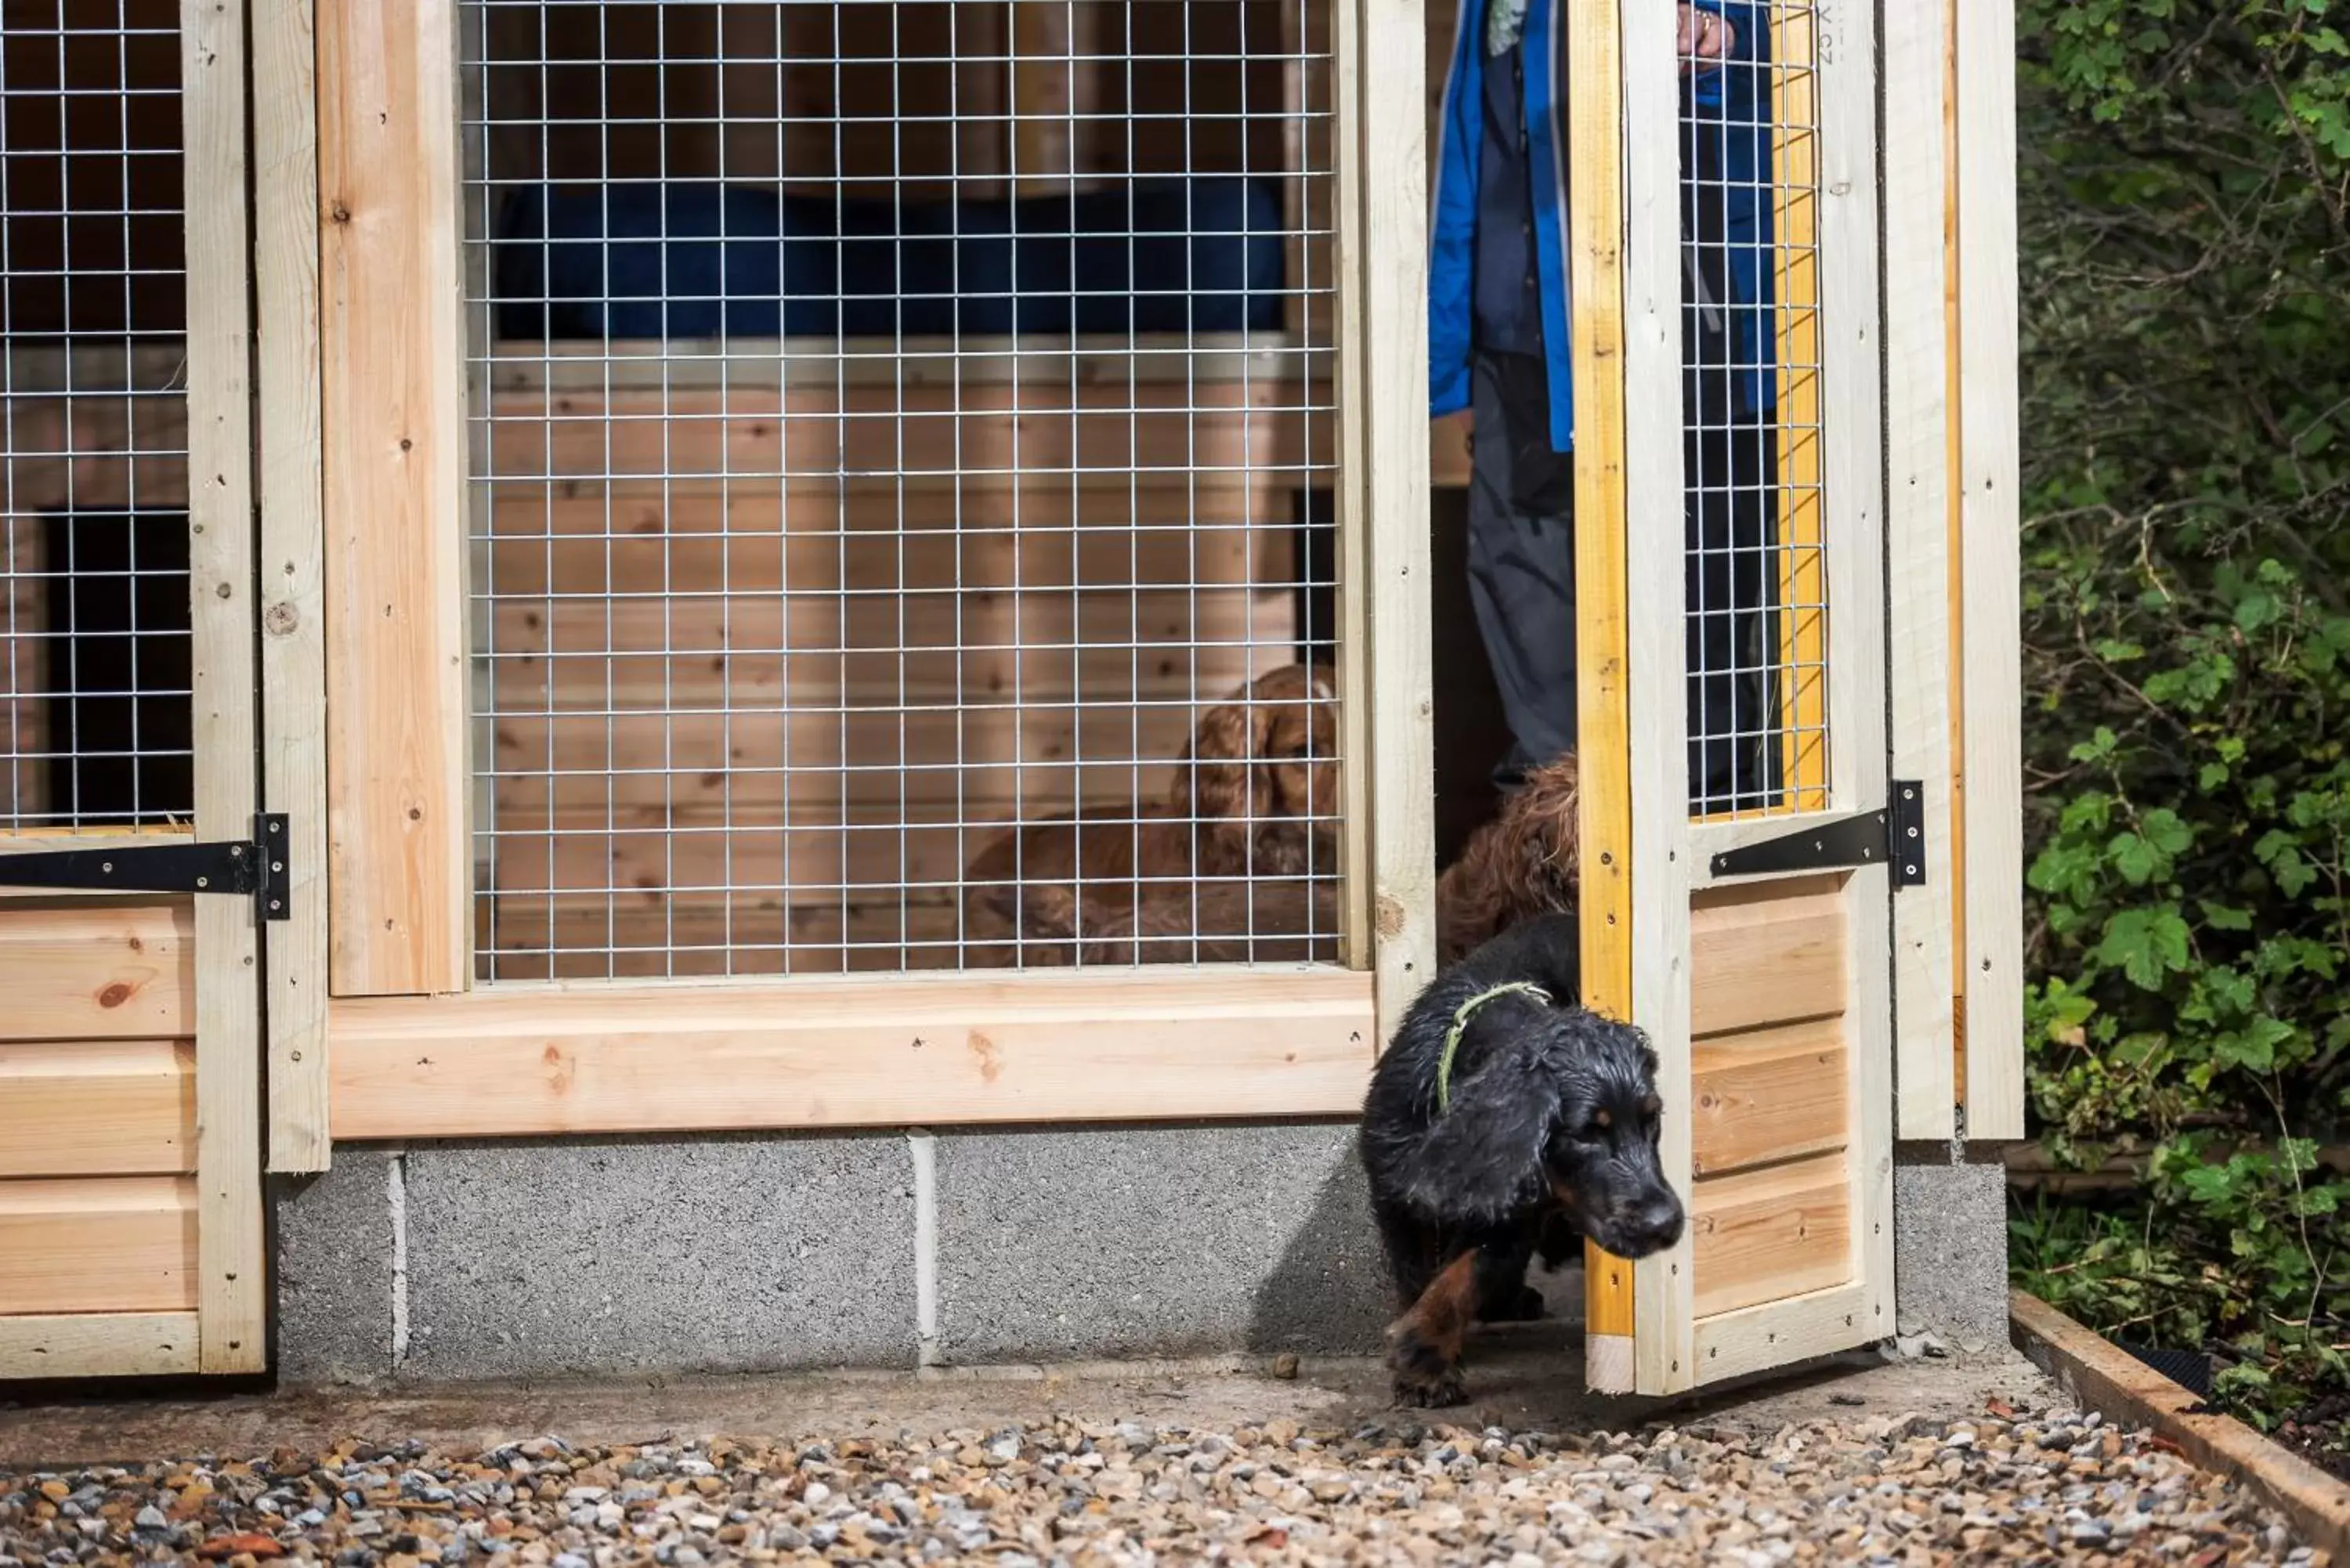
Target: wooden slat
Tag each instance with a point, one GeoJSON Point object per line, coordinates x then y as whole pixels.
{"type": "Point", "coordinates": [1922, 569]}
{"type": "Point", "coordinates": [98, 1344]}
{"type": "Point", "coordinates": [98, 1244]}
{"type": "Point", "coordinates": [1851, 409]}
{"type": "Point", "coordinates": [94, 971]}
{"type": "Point", "coordinates": [1783, 1333]}
{"type": "Point", "coordinates": [1773, 953]}
{"type": "Point", "coordinates": [293, 545]}
{"type": "Point", "coordinates": [231, 1285]}
{"type": "Point", "coordinates": [835, 1054]}
{"type": "Point", "coordinates": [1048, 536]}
{"type": "Point", "coordinates": [123, 1107]}
{"type": "Point", "coordinates": [1596, 216]}
{"type": "Point", "coordinates": [1212, 434]}
{"type": "Point", "coordinates": [1768, 1096]}
{"type": "Point", "coordinates": [1656, 643]}
{"type": "Point", "coordinates": [1765, 1235]}
{"type": "Point", "coordinates": [1392, 253]}
{"type": "Point", "coordinates": [1358, 656]}
{"type": "Point", "coordinates": [1991, 572]}
{"type": "Point", "coordinates": [393, 405]}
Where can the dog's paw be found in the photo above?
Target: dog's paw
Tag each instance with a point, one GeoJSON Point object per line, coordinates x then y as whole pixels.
{"type": "Point", "coordinates": [1527, 1307]}
{"type": "Point", "coordinates": [1424, 1376]}
{"type": "Point", "coordinates": [1438, 1394]}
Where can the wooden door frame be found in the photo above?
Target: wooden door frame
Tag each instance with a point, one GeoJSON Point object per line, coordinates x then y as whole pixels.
{"type": "Point", "coordinates": [1642, 867]}
{"type": "Point", "coordinates": [227, 1330]}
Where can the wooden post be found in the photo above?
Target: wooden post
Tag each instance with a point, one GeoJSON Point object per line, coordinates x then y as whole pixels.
{"type": "Point", "coordinates": [231, 1301]}
{"type": "Point", "coordinates": [1595, 128]}
{"type": "Point", "coordinates": [292, 618]}
{"type": "Point", "coordinates": [1922, 578]}
{"type": "Point", "coordinates": [393, 413]}
{"type": "Point", "coordinates": [1991, 566]}
{"type": "Point", "coordinates": [1383, 382]}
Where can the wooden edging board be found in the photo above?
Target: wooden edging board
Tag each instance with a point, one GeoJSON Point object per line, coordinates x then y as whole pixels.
{"type": "Point", "coordinates": [2117, 1384]}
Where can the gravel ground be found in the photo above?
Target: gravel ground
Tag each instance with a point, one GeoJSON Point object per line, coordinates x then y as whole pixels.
{"type": "Point", "coordinates": [2004, 1484]}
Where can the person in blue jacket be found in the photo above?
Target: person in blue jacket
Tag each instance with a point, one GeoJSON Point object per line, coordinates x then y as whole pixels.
{"type": "Point", "coordinates": [1498, 316]}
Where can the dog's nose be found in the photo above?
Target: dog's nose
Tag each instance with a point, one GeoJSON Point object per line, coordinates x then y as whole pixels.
{"type": "Point", "coordinates": [1659, 1222]}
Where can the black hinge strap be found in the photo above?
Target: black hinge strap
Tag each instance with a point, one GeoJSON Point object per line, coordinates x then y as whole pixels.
{"type": "Point", "coordinates": [255, 869]}
{"type": "Point", "coordinates": [1895, 835]}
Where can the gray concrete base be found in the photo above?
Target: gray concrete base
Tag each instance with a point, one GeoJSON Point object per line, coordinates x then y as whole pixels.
{"type": "Point", "coordinates": [440, 1262]}
{"type": "Point", "coordinates": [1061, 1245]}
{"type": "Point", "coordinates": [445, 1262]}
{"type": "Point", "coordinates": [1950, 1243]}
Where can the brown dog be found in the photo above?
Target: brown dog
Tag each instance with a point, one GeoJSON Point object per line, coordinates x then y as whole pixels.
{"type": "Point", "coordinates": [1270, 920]}
{"type": "Point", "coordinates": [1256, 792]}
{"type": "Point", "coordinates": [1521, 864]}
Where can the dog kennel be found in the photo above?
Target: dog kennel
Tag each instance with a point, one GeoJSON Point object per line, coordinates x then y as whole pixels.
{"type": "Point", "coordinates": [787, 564]}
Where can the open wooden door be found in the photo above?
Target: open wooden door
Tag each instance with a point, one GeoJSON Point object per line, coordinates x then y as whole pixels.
{"type": "Point", "coordinates": [137, 875]}
{"type": "Point", "coordinates": [1743, 839]}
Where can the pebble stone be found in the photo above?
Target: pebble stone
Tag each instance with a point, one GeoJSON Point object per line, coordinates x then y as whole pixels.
{"type": "Point", "coordinates": [2043, 1487]}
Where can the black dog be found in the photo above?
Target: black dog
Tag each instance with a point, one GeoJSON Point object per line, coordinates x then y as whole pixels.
{"type": "Point", "coordinates": [1541, 1127]}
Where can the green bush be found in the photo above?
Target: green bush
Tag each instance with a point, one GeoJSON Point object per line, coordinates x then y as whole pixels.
{"type": "Point", "coordinates": [2184, 209]}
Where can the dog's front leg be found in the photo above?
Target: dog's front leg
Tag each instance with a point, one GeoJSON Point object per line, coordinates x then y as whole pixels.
{"type": "Point", "coordinates": [1424, 1345]}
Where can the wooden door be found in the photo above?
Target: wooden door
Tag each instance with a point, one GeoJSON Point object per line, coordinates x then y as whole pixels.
{"type": "Point", "coordinates": [1738, 816]}
{"type": "Point", "coordinates": [130, 1203]}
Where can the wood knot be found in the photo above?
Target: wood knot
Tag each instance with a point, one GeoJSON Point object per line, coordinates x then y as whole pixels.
{"type": "Point", "coordinates": [115, 995]}
{"type": "Point", "coordinates": [280, 619]}
{"type": "Point", "coordinates": [1387, 916]}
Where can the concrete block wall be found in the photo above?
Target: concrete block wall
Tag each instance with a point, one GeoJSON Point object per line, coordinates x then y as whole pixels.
{"type": "Point", "coordinates": [444, 1261]}
{"type": "Point", "coordinates": [440, 1261]}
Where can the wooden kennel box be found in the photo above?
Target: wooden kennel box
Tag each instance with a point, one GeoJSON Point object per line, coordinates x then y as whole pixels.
{"type": "Point", "coordinates": [531, 636]}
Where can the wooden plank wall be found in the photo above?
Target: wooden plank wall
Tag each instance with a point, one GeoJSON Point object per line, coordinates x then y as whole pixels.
{"type": "Point", "coordinates": [98, 1149]}
{"type": "Point", "coordinates": [1771, 1111]}
{"type": "Point", "coordinates": [743, 702]}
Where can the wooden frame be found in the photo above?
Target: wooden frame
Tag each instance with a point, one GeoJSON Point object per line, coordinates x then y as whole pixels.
{"type": "Point", "coordinates": [1657, 928]}
{"type": "Point", "coordinates": [821, 1051]}
{"type": "Point", "coordinates": [1918, 495]}
{"type": "Point", "coordinates": [232, 1294]}
{"type": "Point", "coordinates": [392, 403]}
{"type": "Point", "coordinates": [1990, 566]}
{"type": "Point", "coordinates": [293, 609]}
{"type": "Point", "coordinates": [1382, 348]}
{"type": "Point", "coordinates": [98, 1344]}
{"type": "Point", "coordinates": [1684, 1323]}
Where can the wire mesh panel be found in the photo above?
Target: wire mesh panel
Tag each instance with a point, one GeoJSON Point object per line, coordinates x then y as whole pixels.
{"type": "Point", "coordinates": [895, 427]}
{"type": "Point", "coordinates": [95, 686]}
{"type": "Point", "coordinates": [1757, 576]}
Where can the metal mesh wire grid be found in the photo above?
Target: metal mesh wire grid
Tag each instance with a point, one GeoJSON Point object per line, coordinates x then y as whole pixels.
{"type": "Point", "coordinates": [896, 433]}
{"type": "Point", "coordinates": [1755, 507]}
{"type": "Point", "coordinates": [93, 478]}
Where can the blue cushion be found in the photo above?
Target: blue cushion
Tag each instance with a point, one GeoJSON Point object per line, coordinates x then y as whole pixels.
{"type": "Point", "coordinates": [699, 259]}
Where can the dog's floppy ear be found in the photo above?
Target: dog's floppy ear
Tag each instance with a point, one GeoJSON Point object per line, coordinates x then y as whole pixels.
{"type": "Point", "coordinates": [1482, 1160]}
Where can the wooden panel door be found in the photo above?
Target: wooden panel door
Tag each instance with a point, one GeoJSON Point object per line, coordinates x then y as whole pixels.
{"type": "Point", "coordinates": [131, 1203]}
{"type": "Point", "coordinates": [1739, 818]}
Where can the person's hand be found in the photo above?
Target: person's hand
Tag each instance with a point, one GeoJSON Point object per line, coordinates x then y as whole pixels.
{"type": "Point", "coordinates": [1703, 35]}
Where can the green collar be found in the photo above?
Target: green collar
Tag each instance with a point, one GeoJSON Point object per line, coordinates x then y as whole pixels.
{"type": "Point", "coordinates": [1468, 1010]}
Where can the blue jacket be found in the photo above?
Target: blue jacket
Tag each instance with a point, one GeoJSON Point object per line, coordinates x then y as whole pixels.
{"type": "Point", "coordinates": [1726, 113]}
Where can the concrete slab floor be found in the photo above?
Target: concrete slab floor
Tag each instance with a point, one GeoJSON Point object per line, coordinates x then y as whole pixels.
{"type": "Point", "coordinates": [1524, 1379]}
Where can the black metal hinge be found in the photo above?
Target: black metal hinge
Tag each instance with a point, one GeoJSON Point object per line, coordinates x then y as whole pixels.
{"type": "Point", "coordinates": [1895, 835]}
{"type": "Point", "coordinates": [253, 869]}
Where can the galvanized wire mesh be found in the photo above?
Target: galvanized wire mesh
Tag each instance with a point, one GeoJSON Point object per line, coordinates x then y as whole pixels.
{"type": "Point", "coordinates": [95, 706]}
{"type": "Point", "coordinates": [890, 427]}
{"type": "Point", "coordinates": [1757, 580]}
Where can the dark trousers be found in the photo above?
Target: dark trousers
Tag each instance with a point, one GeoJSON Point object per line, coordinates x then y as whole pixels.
{"type": "Point", "coordinates": [1522, 582]}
